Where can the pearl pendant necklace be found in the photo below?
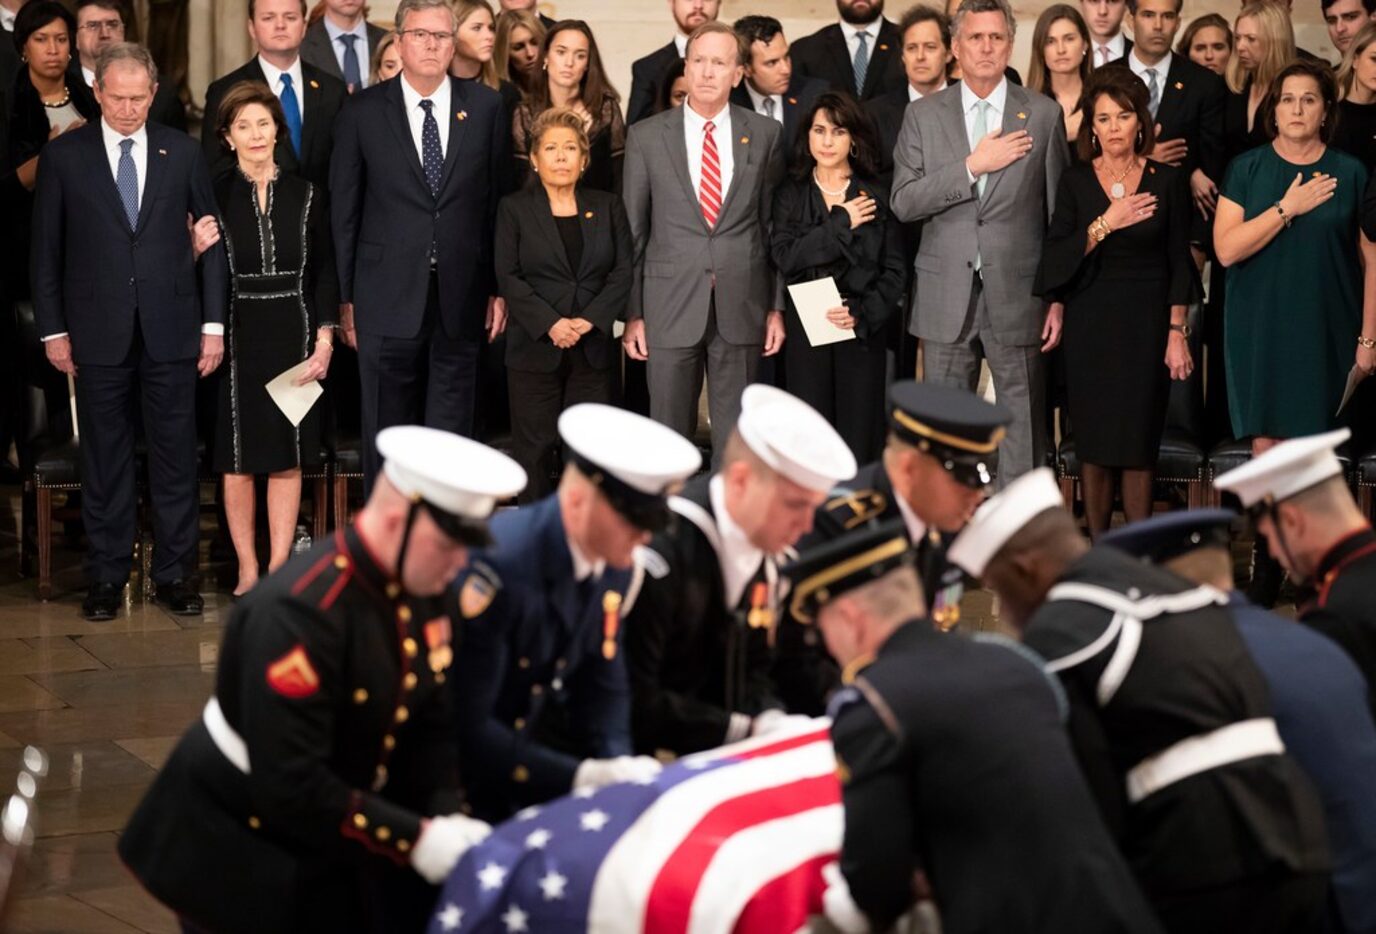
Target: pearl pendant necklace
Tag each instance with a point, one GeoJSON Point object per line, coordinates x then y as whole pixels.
{"type": "Point", "coordinates": [827, 191]}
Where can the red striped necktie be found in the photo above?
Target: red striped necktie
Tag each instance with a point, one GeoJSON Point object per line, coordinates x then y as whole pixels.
{"type": "Point", "coordinates": [709, 191]}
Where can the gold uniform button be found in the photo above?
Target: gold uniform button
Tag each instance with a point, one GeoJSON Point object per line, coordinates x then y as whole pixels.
{"type": "Point", "coordinates": [409, 682]}
{"type": "Point", "coordinates": [341, 562]}
{"type": "Point", "coordinates": [520, 774]}
{"type": "Point", "coordinates": [402, 714]}
{"type": "Point", "coordinates": [360, 822]}
{"type": "Point", "coordinates": [523, 663]}
{"type": "Point", "coordinates": [389, 742]}
{"type": "Point", "coordinates": [403, 846]}
{"type": "Point", "coordinates": [393, 590]}
{"type": "Point", "coordinates": [254, 823]}
{"type": "Point", "coordinates": [519, 723]}
{"type": "Point", "coordinates": [379, 777]}
{"type": "Point", "coordinates": [361, 696]}
{"type": "Point", "coordinates": [383, 834]}
{"type": "Point", "coordinates": [409, 646]}
{"type": "Point", "coordinates": [404, 614]}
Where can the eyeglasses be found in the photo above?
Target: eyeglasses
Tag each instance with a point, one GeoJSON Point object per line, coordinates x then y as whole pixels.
{"type": "Point", "coordinates": [103, 25]}
{"type": "Point", "coordinates": [426, 36]}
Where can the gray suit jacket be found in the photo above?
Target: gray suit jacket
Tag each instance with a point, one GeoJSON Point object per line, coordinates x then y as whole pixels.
{"type": "Point", "coordinates": [316, 50]}
{"type": "Point", "coordinates": [1005, 228]}
{"type": "Point", "coordinates": [677, 256]}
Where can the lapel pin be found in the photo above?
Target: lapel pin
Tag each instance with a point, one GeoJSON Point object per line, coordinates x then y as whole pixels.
{"type": "Point", "coordinates": [883, 47]}
{"type": "Point", "coordinates": [745, 140]}
{"type": "Point", "coordinates": [1317, 174]}
{"type": "Point", "coordinates": [1180, 85]}
{"type": "Point", "coordinates": [315, 84]}
{"type": "Point", "coordinates": [587, 215]}
{"type": "Point", "coordinates": [462, 115]}
{"type": "Point", "coordinates": [1021, 115]}
{"type": "Point", "coordinates": [863, 193]}
{"type": "Point", "coordinates": [162, 152]}
{"type": "Point", "coordinates": [1151, 169]}
{"type": "Point", "coordinates": [793, 101]}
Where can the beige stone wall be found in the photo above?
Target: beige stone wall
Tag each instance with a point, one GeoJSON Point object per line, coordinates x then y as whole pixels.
{"type": "Point", "coordinates": [627, 29]}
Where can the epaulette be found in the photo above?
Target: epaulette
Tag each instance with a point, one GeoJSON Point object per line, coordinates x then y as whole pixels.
{"type": "Point", "coordinates": [853, 508]}
{"type": "Point", "coordinates": [479, 589]}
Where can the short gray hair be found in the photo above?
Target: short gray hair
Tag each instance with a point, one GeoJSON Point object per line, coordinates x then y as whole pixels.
{"type": "Point", "coordinates": [125, 52]}
{"type": "Point", "coordinates": [984, 6]}
{"type": "Point", "coordinates": [407, 7]}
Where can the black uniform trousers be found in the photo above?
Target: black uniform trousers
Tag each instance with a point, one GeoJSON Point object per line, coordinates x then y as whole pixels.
{"type": "Point", "coordinates": [106, 417]}
{"type": "Point", "coordinates": [537, 399]}
{"type": "Point", "coordinates": [430, 379]}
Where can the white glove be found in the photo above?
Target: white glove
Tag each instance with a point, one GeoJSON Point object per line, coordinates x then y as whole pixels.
{"type": "Point", "coordinates": [775, 721]}
{"type": "Point", "coordinates": [442, 842]}
{"type": "Point", "coordinates": [595, 773]}
{"type": "Point", "coordinates": [840, 909]}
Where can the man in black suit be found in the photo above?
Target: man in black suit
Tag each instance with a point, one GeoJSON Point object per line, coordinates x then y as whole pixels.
{"type": "Point", "coordinates": [530, 5]}
{"type": "Point", "coordinates": [414, 181]}
{"type": "Point", "coordinates": [310, 98]}
{"type": "Point", "coordinates": [1345, 18]}
{"type": "Point", "coordinates": [135, 326]}
{"type": "Point", "coordinates": [99, 25]}
{"type": "Point", "coordinates": [926, 45]}
{"type": "Point", "coordinates": [1107, 44]}
{"type": "Point", "coordinates": [858, 55]}
{"type": "Point", "coordinates": [770, 87]}
{"type": "Point", "coordinates": [648, 74]}
{"type": "Point", "coordinates": [342, 42]}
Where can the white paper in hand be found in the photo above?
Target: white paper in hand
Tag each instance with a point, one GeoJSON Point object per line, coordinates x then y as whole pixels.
{"type": "Point", "coordinates": [813, 300]}
{"type": "Point", "coordinates": [294, 401]}
{"type": "Point", "coordinates": [1354, 379]}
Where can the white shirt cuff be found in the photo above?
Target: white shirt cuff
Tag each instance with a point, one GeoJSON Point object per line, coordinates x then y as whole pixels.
{"type": "Point", "coordinates": [738, 728]}
{"type": "Point", "coordinates": [214, 330]}
{"type": "Point", "coordinates": [53, 337]}
{"type": "Point", "coordinates": [969, 174]}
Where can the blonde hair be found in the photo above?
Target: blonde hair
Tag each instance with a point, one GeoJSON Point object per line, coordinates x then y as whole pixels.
{"type": "Point", "coordinates": [463, 11]}
{"type": "Point", "coordinates": [1278, 36]}
{"type": "Point", "coordinates": [507, 21]}
{"type": "Point", "coordinates": [385, 43]}
{"type": "Point", "coordinates": [1347, 75]}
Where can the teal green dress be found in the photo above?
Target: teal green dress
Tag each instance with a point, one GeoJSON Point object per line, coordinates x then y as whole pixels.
{"type": "Point", "coordinates": [1293, 309]}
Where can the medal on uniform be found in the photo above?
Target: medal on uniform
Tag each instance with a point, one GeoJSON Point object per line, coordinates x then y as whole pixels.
{"type": "Point", "coordinates": [611, 618]}
{"type": "Point", "coordinates": [946, 609]}
{"type": "Point", "coordinates": [760, 615]}
{"type": "Point", "coordinates": [438, 635]}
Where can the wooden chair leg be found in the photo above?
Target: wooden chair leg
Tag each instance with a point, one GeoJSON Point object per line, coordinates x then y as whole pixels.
{"type": "Point", "coordinates": [1365, 500]}
{"type": "Point", "coordinates": [44, 514]}
{"type": "Point", "coordinates": [1067, 484]}
{"type": "Point", "coordinates": [320, 504]}
{"type": "Point", "coordinates": [341, 501]}
{"type": "Point", "coordinates": [1194, 493]}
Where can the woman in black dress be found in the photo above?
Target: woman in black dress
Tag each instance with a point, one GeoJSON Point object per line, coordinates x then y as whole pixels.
{"type": "Point", "coordinates": [1118, 256]}
{"type": "Point", "coordinates": [574, 78]}
{"type": "Point", "coordinates": [1356, 130]}
{"type": "Point", "coordinates": [284, 300]}
{"type": "Point", "coordinates": [831, 218]}
{"type": "Point", "coordinates": [1264, 43]}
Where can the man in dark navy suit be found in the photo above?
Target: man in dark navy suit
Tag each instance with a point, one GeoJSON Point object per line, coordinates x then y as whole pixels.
{"type": "Point", "coordinates": [414, 181]}
{"type": "Point", "coordinates": [310, 97]}
{"type": "Point", "coordinates": [648, 73]}
{"type": "Point", "coordinates": [540, 690]}
{"type": "Point", "coordinates": [121, 307]}
{"type": "Point", "coordinates": [858, 55]}
{"type": "Point", "coordinates": [770, 87]}
{"type": "Point", "coordinates": [99, 25]}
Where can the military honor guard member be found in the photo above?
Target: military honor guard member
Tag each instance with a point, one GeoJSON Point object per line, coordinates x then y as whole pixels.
{"type": "Point", "coordinates": [541, 694]}
{"type": "Point", "coordinates": [935, 470]}
{"type": "Point", "coordinates": [1300, 502]}
{"type": "Point", "coordinates": [958, 779]}
{"type": "Point", "coordinates": [1169, 716]}
{"type": "Point", "coordinates": [700, 637]}
{"type": "Point", "coordinates": [1318, 695]}
{"type": "Point", "coordinates": [319, 789]}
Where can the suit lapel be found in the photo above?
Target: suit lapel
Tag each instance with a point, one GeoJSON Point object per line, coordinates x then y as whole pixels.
{"type": "Point", "coordinates": [953, 120]}
{"type": "Point", "coordinates": [544, 220]}
{"type": "Point", "coordinates": [157, 171]}
{"type": "Point", "coordinates": [1014, 118]}
{"type": "Point", "coordinates": [311, 101]}
{"type": "Point", "coordinates": [677, 148]}
{"type": "Point", "coordinates": [100, 168]}
{"type": "Point", "coordinates": [839, 52]}
{"type": "Point", "coordinates": [458, 124]}
{"type": "Point", "coordinates": [1173, 89]}
{"type": "Point", "coordinates": [879, 58]}
{"type": "Point", "coordinates": [591, 223]}
{"type": "Point", "coordinates": [324, 50]}
{"type": "Point", "coordinates": [401, 126]}
{"type": "Point", "coordinates": [741, 143]}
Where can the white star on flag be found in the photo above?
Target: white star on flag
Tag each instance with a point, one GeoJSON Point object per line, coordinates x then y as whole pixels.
{"type": "Point", "coordinates": [696, 763]}
{"type": "Point", "coordinates": [528, 814]}
{"type": "Point", "coordinates": [451, 917]}
{"type": "Point", "coordinates": [593, 820]}
{"type": "Point", "coordinates": [491, 877]}
{"type": "Point", "coordinates": [538, 839]}
{"type": "Point", "coordinates": [587, 791]}
{"type": "Point", "coordinates": [552, 884]}
{"type": "Point", "coordinates": [515, 920]}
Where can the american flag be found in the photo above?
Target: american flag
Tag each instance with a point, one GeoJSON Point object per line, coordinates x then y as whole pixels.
{"type": "Point", "coordinates": [731, 840]}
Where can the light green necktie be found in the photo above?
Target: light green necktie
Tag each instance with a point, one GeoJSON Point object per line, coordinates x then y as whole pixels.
{"type": "Point", "coordinates": [981, 131]}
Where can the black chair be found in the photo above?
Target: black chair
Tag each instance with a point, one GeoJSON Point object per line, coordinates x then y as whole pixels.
{"type": "Point", "coordinates": [345, 438]}
{"type": "Point", "coordinates": [1366, 483]}
{"type": "Point", "coordinates": [1234, 453]}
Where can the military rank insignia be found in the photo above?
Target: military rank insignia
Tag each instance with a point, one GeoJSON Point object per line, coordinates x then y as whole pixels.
{"type": "Point", "coordinates": [438, 636]}
{"type": "Point", "coordinates": [476, 595]}
{"type": "Point", "coordinates": [293, 676]}
{"type": "Point", "coordinates": [611, 619]}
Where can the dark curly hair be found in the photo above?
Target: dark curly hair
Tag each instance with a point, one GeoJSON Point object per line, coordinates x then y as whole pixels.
{"type": "Point", "coordinates": [846, 113]}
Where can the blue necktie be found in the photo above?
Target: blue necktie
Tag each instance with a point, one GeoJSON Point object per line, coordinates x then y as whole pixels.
{"type": "Point", "coordinates": [861, 62]}
{"type": "Point", "coordinates": [432, 157]}
{"type": "Point", "coordinates": [352, 77]}
{"type": "Point", "coordinates": [291, 109]}
{"type": "Point", "coordinates": [127, 181]}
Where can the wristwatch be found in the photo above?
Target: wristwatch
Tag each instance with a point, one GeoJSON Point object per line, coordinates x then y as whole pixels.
{"type": "Point", "coordinates": [1366, 342]}
{"type": "Point", "coordinates": [1183, 329]}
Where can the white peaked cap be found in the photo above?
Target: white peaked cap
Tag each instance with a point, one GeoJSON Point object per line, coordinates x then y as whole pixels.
{"type": "Point", "coordinates": [793, 438]}
{"type": "Point", "coordinates": [1286, 469]}
{"type": "Point", "coordinates": [456, 474]}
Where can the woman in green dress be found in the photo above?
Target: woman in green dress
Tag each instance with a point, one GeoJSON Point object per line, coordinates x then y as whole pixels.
{"type": "Point", "coordinates": [1287, 229]}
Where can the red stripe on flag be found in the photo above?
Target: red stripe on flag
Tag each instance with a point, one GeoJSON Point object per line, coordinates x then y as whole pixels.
{"type": "Point", "coordinates": [783, 905]}
{"type": "Point", "coordinates": [783, 745]}
{"type": "Point", "coordinates": [670, 904]}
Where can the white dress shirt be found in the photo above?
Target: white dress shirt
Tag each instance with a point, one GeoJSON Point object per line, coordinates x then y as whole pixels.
{"type": "Point", "coordinates": [917, 529]}
{"type": "Point", "coordinates": [1162, 68]}
{"type": "Point", "coordinates": [1116, 48]}
{"type": "Point", "coordinates": [740, 559]}
{"type": "Point", "coordinates": [274, 76]}
{"type": "Point", "coordinates": [851, 32]}
{"type": "Point", "coordinates": [365, 55]}
{"type": "Point", "coordinates": [758, 99]}
{"type": "Point", "coordinates": [681, 43]}
{"type": "Point", "coordinates": [415, 114]}
{"type": "Point", "coordinates": [89, 76]}
{"type": "Point", "coordinates": [997, 99]}
{"type": "Point", "coordinates": [915, 95]}
{"type": "Point", "coordinates": [694, 125]}
{"type": "Point", "coordinates": [7, 20]}
{"type": "Point", "coordinates": [583, 566]}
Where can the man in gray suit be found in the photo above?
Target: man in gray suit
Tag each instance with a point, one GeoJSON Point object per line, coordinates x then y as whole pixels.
{"type": "Point", "coordinates": [698, 185]}
{"type": "Point", "coordinates": [341, 43]}
{"type": "Point", "coordinates": [979, 163]}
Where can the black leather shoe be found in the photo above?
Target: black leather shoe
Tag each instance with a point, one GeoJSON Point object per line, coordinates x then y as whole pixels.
{"type": "Point", "coordinates": [180, 597]}
{"type": "Point", "coordinates": [102, 602]}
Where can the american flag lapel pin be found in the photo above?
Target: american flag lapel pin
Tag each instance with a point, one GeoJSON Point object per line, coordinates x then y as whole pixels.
{"type": "Point", "coordinates": [315, 84]}
{"type": "Point", "coordinates": [745, 140]}
{"type": "Point", "coordinates": [587, 215]}
{"type": "Point", "coordinates": [1180, 85]}
{"type": "Point", "coordinates": [883, 46]}
{"type": "Point", "coordinates": [462, 115]}
{"type": "Point", "coordinates": [793, 101]}
{"type": "Point", "coordinates": [1022, 115]}
{"type": "Point", "coordinates": [162, 152]}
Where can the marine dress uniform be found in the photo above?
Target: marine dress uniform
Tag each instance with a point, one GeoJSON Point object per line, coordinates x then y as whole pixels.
{"type": "Point", "coordinates": [540, 686]}
{"type": "Point", "coordinates": [954, 759]}
{"type": "Point", "coordinates": [1173, 727]}
{"type": "Point", "coordinates": [700, 637]}
{"type": "Point", "coordinates": [1320, 703]}
{"type": "Point", "coordinates": [300, 799]}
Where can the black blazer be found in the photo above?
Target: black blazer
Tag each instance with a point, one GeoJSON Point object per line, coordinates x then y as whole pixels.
{"type": "Point", "coordinates": [798, 100]}
{"type": "Point", "coordinates": [321, 98]}
{"type": "Point", "coordinates": [384, 217]}
{"type": "Point", "coordinates": [808, 242]}
{"type": "Point", "coordinates": [534, 277]}
{"type": "Point", "coordinates": [824, 55]}
{"type": "Point", "coordinates": [647, 81]}
{"type": "Point", "coordinates": [318, 52]}
{"type": "Point", "coordinates": [1192, 103]}
{"type": "Point", "coordinates": [148, 275]}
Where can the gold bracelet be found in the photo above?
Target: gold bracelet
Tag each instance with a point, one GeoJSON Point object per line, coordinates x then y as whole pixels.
{"type": "Point", "coordinates": [1099, 229]}
{"type": "Point", "coordinates": [1366, 342]}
